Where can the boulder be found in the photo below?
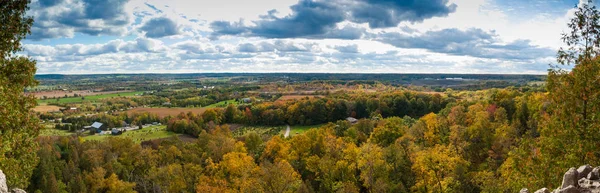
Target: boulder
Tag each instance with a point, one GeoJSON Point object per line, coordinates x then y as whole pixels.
{"type": "Point", "coordinates": [3, 186]}
{"type": "Point", "coordinates": [16, 190]}
{"type": "Point", "coordinates": [594, 174]}
{"type": "Point", "coordinates": [524, 190]}
{"type": "Point", "coordinates": [583, 171]}
{"type": "Point", "coordinates": [569, 189]}
{"type": "Point", "coordinates": [570, 178]}
{"type": "Point", "coordinates": [543, 190]}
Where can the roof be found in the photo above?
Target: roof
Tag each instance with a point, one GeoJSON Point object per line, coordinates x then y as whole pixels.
{"type": "Point", "coordinates": [352, 119]}
{"type": "Point", "coordinates": [97, 125]}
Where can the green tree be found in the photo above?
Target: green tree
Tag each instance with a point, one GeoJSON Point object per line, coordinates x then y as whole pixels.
{"type": "Point", "coordinates": [18, 124]}
{"type": "Point", "coordinates": [569, 135]}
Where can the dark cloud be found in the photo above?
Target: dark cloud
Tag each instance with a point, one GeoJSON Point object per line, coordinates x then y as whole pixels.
{"type": "Point", "coordinates": [471, 42]}
{"type": "Point", "coordinates": [160, 27]}
{"type": "Point", "coordinates": [92, 17]}
{"type": "Point", "coordinates": [318, 19]}
{"type": "Point", "coordinates": [389, 13]}
{"type": "Point", "coordinates": [308, 18]}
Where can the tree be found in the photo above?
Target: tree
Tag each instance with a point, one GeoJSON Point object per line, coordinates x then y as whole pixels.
{"type": "Point", "coordinates": [279, 177]}
{"type": "Point", "coordinates": [569, 133]}
{"type": "Point", "coordinates": [18, 124]}
{"type": "Point", "coordinates": [438, 169]}
{"type": "Point", "coordinates": [373, 168]}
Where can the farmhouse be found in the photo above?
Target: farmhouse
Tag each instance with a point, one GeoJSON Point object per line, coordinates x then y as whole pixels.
{"type": "Point", "coordinates": [98, 126]}
{"type": "Point", "coordinates": [352, 120]}
{"type": "Point", "coordinates": [116, 131]}
{"type": "Point", "coordinates": [247, 100]}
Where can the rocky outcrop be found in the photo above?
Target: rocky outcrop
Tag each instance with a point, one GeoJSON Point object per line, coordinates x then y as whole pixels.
{"type": "Point", "coordinates": [584, 179]}
{"type": "Point", "coordinates": [4, 187]}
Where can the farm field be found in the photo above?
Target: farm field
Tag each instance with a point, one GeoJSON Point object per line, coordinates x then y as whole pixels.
{"type": "Point", "coordinates": [91, 98]}
{"type": "Point", "coordinates": [54, 132]}
{"type": "Point", "coordinates": [163, 111]}
{"type": "Point", "coordinates": [148, 133]}
{"type": "Point", "coordinates": [296, 97]}
{"type": "Point", "coordinates": [260, 130]}
{"type": "Point", "coordinates": [223, 104]}
{"type": "Point", "coordinates": [299, 129]}
{"type": "Point", "coordinates": [46, 108]}
{"type": "Point", "coordinates": [60, 93]}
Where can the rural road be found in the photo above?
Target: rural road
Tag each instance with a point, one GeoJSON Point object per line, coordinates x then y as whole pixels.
{"type": "Point", "coordinates": [287, 131]}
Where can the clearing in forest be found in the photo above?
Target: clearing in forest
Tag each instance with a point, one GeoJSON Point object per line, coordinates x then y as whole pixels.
{"type": "Point", "coordinates": [163, 111]}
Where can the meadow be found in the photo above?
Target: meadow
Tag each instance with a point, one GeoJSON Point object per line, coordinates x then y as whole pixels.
{"type": "Point", "coordinates": [90, 98]}
{"type": "Point", "coordinates": [145, 134]}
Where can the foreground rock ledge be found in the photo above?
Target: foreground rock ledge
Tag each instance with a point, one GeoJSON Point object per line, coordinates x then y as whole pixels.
{"type": "Point", "coordinates": [4, 187]}
{"type": "Point", "coordinates": [584, 179]}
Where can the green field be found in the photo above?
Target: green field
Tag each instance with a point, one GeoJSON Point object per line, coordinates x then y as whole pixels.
{"type": "Point", "coordinates": [54, 132]}
{"type": "Point", "coordinates": [148, 133]}
{"type": "Point", "coordinates": [299, 129]}
{"type": "Point", "coordinates": [260, 130]}
{"type": "Point", "coordinates": [223, 104]}
{"type": "Point", "coordinates": [91, 98]}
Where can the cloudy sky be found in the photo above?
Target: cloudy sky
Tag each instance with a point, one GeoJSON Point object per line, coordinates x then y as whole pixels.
{"type": "Point", "coordinates": [355, 36]}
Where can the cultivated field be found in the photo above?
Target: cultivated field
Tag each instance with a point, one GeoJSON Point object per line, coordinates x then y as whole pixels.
{"type": "Point", "coordinates": [296, 97]}
{"type": "Point", "coordinates": [163, 112]}
{"type": "Point", "coordinates": [148, 133]}
{"type": "Point", "coordinates": [91, 98]}
{"type": "Point", "coordinates": [46, 108]}
{"type": "Point", "coordinates": [299, 129]}
{"type": "Point", "coordinates": [60, 93]}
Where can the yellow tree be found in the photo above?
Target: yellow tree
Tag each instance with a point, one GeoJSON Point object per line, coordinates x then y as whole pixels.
{"type": "Point", "coordinates": [438, 169]}
{"type": "Point", "coordinates": [373, 168]}
{"type": "Point", "coordinates": [279, 177]}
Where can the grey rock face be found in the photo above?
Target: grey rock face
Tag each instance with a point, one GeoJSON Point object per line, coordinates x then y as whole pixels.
{"type": "Point", "coordinates": [569, 189]}
{"type": "Point", "coordinates": [570, 178]}
{"type": "Point", "coordinates": [3, 186]}
{"type": "Point", "coordinates": [594, 174]}
{"type": "Point", "coordinates": [543, 190]}
{"type": "Point", "coordinates": [583, 171]}
{"type": "Point", "coordinates": [16, 190]}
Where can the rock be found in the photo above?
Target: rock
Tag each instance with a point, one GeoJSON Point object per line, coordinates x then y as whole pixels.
{"type": "Point", "coordinates": [569, 189]}
{"type": "Point", "coordinates": [3, 186]}
{"type": "Point", "coordinates": [524, 190]}
{"type": "Point", "coordinates": [583, 171]}
{"type": "Point", "coordinates": [594, 174]}
{"type": "Point", "coordinates": [570, 178]}
{"type": "Point", "coordinates": [543, 190]}
{"type": "Point", "coordinates": [592, 185]}
{"type": "Point", "coordinates": [16, 190]}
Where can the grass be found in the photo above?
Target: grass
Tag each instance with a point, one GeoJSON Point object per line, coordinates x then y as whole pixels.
{"type": "Point", "coordinates": [223, 104]}
{"type": "Point", "coordinates": [260, 130]}
{"type": "Point", "coordinates": [148, 133]}
{"type": "Point", "coordinates": [299, 129]}
{"type": "Point", "coordinates": [91, 98]}
{"type": "Point", "coordinates": [54, 132]}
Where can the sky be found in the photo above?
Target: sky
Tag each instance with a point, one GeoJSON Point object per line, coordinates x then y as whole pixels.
{"type": "Point", "coordinates": [324, 36]}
